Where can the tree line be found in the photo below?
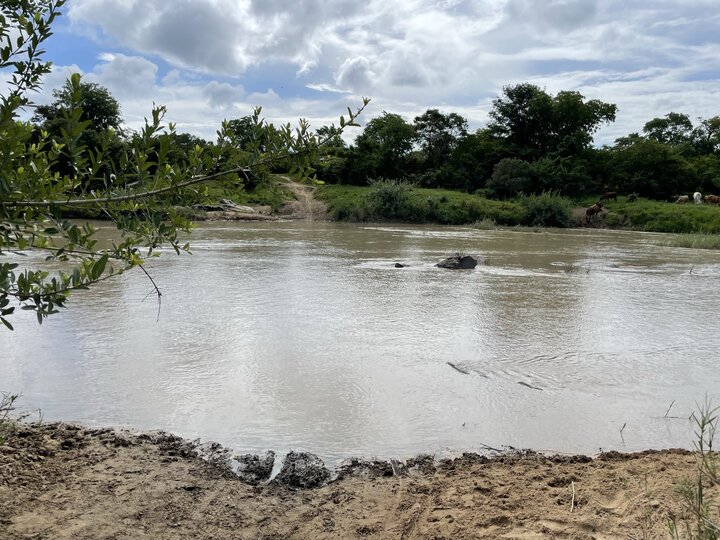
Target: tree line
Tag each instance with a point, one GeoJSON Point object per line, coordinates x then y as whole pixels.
{"type": "Point", "coordinates": [534, 142]}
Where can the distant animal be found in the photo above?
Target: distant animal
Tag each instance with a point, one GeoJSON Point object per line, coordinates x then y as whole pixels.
{"type": "Point", "coordinates": [682, 199]}
{"type": "Point", "coordinates": [594, 210]}
{"type": "Point", "coordinates": [609, 195]}
{"type": "Point", "coordinates": [697, 197]}
{"type": "Point", "coordinates": [712, 199]}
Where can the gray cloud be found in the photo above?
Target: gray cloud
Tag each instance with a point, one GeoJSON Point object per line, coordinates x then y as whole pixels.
{"type": "Point", "coordinates": [355, 74]}
{"type": "Point", "coordinates": [221, 95]}
{"type": "Point", "coordinates": [416, 54]}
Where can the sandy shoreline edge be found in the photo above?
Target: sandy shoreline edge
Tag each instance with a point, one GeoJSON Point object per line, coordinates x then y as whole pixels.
{"type": "Point", "coordinates": [68, 481]}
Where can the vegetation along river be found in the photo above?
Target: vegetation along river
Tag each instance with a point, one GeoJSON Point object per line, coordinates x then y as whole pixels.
{"type": "Point", "coordinates": [305, 336]}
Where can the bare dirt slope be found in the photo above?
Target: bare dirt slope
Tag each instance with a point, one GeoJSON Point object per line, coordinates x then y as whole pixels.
{"type": "Point", "coordinates": [306, 207]}
{"type": "Point", "coordinates": [67, 482]}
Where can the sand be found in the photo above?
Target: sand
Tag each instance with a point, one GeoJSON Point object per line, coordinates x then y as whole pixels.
{"type": "Point", "coordinates": [61, 481]}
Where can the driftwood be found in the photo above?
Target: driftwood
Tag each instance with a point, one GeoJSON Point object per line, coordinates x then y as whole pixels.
{"type": "Point", "coordinates": [464, 372]}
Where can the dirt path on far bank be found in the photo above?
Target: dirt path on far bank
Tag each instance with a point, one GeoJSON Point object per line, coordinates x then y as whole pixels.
{"type": "Point", "coordinates": [68, 482]}
{"type": "Point", "coordinates": [305, 207]}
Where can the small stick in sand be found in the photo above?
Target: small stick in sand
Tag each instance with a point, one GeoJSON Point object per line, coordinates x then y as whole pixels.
{"type": "Point", "coordinates": [572, 502]}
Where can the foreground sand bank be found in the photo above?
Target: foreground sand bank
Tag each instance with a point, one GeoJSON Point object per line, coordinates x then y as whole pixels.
{"type": "Point", "coordinates": [60, 481]}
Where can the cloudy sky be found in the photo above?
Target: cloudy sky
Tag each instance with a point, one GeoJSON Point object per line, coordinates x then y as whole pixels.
{"type": "Point", "coordinates": [212, 59]}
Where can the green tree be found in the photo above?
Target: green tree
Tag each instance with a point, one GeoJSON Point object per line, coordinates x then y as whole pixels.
{"type": "Point", "coordinates": [706, 136]}
{"type": "Point", "coordinates": [651, 169]}
{"type": "Point", "coordinates": [100, 119]}
{"type": "Point", "coordinates": [35, 197]}
{"type": "Point", "coordinates": [474, 159]}
{"type": "Point", "coordinates": [99, 108]}
{"type": "Point", "coordinates": [534, 123]}
{"type": "Point", "coordinates": [382, 149]}
{"type": "Point", "coordinates": [438, 135]}
{"type": "Point", "coordinates": [673, 129]}
{"type": "Point", "coordinates": [511, 177]}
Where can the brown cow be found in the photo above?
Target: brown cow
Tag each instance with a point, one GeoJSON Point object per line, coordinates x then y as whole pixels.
{"type": "Point", "coordinates": [712, 199]}
{"type": "Point", "coordinates": [594, 210]}
{"type": "Point", "coordinates": [609, 195]}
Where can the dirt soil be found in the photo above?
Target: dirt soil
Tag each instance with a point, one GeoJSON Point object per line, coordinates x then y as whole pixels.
{"type": "Point", "coordinates": [306, 207]}
{"type": "Point", "coordinates": [60, 481]}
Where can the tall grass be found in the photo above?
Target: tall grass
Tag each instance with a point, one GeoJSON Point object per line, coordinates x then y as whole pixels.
{"type": "Point", "coordinates": [702, 521]}
{"type": "Point", "coordinates": [7, 406]}
{"type": "Point", "coordinates": [696, 241]}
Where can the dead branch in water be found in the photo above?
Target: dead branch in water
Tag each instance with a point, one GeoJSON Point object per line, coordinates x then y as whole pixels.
{"type": "Point", "coordinates": [456, 368]}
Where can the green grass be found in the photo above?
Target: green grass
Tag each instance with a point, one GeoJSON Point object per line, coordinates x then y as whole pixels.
{"type": "Point", "coordinates": [421, 205]}
{"type": "Point", "coordinates": [648, 215]}
{"type": "Point", "coordinates": [701, 518]}
{"type": "Point", "coordinates": [696, 241]}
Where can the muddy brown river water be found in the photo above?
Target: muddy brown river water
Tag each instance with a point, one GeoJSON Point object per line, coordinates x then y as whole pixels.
{"type": "Point", "coordinates": [305, 336]}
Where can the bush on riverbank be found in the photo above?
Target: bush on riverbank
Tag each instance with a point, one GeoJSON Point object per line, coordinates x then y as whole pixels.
{"type": "Point", "coordinates": [417, 205]}
{"type": "Point", "coordinates": [421, 205]}
{"type": "Point", "coordinates": [549, 209]}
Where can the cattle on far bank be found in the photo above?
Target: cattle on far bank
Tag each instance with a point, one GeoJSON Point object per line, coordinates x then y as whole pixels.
{"type": "Point", "coordinates": [712, 199]}
{"type": "Point", "coordinates": [682, 199]}
{"type": "Point", "coordinates": [593, 211]}
{"type": "Point", "coordinates": [608, 195]}
{"type": "Point", "coordinates": [697, 197]}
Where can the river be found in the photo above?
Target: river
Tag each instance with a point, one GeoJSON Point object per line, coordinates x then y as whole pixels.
{"type": "Point", "coordinates": [305, 336]}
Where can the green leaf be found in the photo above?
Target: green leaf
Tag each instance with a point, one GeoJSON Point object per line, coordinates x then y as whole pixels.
{"type": "Point", "coordinates": [6, 323]}
{"type": "Point", "coordinates": [99, 267]}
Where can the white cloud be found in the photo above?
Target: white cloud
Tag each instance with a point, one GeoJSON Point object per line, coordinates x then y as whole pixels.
{"type": "Point", "coordinates": [125, 76]}
{"type": "Point", "coordinates": [408, 55]}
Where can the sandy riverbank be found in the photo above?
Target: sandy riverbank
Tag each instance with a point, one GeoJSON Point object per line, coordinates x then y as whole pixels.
{"type": "Point", "coordinates": [68, 482]}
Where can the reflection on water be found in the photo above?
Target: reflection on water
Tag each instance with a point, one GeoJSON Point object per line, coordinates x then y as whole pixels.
{"type": "Point", "coordinates": [305, 336]}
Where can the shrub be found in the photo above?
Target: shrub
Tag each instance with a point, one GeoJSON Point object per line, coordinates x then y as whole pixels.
{"type": "Point", "coordinates": [701, 521]}
{"type": "Point", "coordinates": [549, 209]}
{"type": "Point", "coordinates": [388, 198]}
{"type": "Point", "coordinates": [7, 405]}
{"type": "Point", "coordinates": [510, 177]}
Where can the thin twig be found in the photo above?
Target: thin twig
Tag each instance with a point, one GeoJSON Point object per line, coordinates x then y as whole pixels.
{"type": "Point", "coordinates": [621, 432]}
{"type": "Point", "coordinates": [572, 502]}
{"type": "Point", "coordinates": [491, 448]}
{"type": "Point", "coordinates": [670, 407]}
{"type": "Point", "coordinates": [157, 290]}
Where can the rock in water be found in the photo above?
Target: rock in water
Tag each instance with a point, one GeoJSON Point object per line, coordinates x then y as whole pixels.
{"type": "Point", "coordinates": [456, 262]}
{"type": "Point", "coordinates": [400, 265]}
{"type": "Point", "coordinates": [303, 470]}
